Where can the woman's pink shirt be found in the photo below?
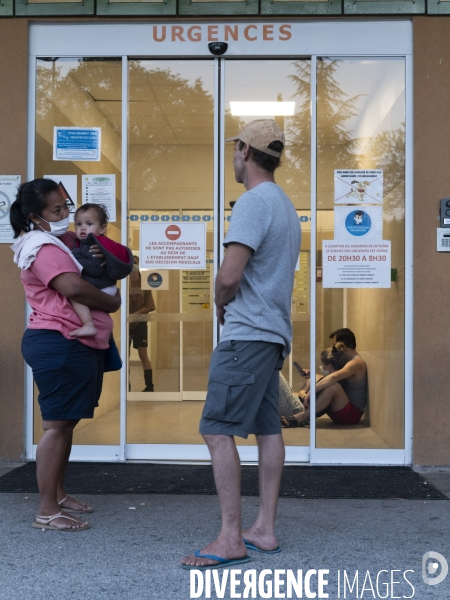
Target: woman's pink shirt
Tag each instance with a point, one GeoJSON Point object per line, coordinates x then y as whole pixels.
{"type": "Point", "coordinates": [51, 310]}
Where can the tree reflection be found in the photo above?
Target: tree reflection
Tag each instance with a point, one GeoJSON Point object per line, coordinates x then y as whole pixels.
{"type": "Point", "coordinates": [164, 104]}
{"type": "Point", "coordinates": [387, 151]}
{"type": "Point", "coordinates": [74, 93]}
{"type": "Point", "coordinates": [335, 143]}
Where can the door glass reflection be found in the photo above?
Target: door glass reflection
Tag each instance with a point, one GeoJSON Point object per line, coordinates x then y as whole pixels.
{"type": "Point", "coordinates": [84, 92]}
{"type": "Point", "coordinates": [361, 142]}
{"type": "Point", "coordinates": [279, 89]}
{"type": "Point", "coordinates": [171, 167]}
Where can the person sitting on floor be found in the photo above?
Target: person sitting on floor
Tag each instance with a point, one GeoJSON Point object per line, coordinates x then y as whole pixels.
{"type": "Point", "coordinates": [341, 362]}
{"type": "Point", "coordinates": [289, 403]}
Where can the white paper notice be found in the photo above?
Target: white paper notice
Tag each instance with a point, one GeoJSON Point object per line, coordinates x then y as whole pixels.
{"type": "Point", "coordinates": [101, 189]}
{"type": "Point", "coordinates": [68, 186]}
{"type": "Point", "coordinates": [358, 223]}
{"type": "Point", "coordinates": [362, 264]}
{"type": "Point", "coordinates": [173, 246]}
{"type": "Point", "coordinates": [356, 187]}
{"type": "Point", "coordinates": [8, 191]}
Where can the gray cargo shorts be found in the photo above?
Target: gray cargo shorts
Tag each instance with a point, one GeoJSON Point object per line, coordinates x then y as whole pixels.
{"type": "Point", "coordinates": [243, 389]}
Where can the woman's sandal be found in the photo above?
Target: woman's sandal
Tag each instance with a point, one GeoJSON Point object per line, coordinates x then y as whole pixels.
{"type": "Point", "coordinates": [42, 522]}
{"type": "Point", "coordinates": [84, 508]}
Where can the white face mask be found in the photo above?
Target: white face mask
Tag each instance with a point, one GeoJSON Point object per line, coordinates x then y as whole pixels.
{"type": "Point", "coordinates": [324, 371]}
{"type": "Point", "coordinates": [57, 228]}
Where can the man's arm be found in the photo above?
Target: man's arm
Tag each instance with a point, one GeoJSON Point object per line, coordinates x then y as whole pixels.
{"type": "Point", "coordinates": [351, 368]}
{"type": "Point", "coordinates": [73, 287]}
{"type": "Point", "coordinates": [149, 305]}
{"type": "Point", "coordinates": [229, 276]}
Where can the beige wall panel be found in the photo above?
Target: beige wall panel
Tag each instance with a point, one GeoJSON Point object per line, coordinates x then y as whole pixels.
{"type": "Point", "coordinates": [13, 124]}
{"type": "Point", "coordinates": [385, 409]}
{"type": "Point", "coordinates": [431, 268]}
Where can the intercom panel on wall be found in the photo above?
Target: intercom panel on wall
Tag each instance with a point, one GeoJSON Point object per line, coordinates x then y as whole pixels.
{"type": "Point", "coordinates": [445, 212]}
{"type": "Point", "coordinates": [443, 239]}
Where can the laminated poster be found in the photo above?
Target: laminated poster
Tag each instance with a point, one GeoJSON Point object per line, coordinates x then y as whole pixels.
{"type": "Point", "coordinates": [8, 190]}
{"type": "Point", "coordinates": [101, 189]}
{"type": "Point", "coordinates": [358, 186]}
{"type": "Point", "coordinates": [68, 186]}
{"type": "Point", "coordinates": [77, 143]}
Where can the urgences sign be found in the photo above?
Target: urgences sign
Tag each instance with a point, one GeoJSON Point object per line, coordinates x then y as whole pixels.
{"type": "Point", "coordinates": [253, 32]}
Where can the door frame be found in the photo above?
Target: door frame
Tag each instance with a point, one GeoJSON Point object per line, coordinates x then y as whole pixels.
{"type": "Point", "coordinates": [312, 38]}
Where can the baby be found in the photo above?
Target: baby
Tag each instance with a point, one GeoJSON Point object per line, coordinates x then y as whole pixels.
{"type": "Point", "coordinates": [90, 227]}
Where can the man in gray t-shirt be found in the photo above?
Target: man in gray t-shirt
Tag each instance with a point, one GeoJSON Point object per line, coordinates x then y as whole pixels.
{"type": "Point", "coordinates": [253, 302]}
{"type": "Point", "coordinates": [265, 220]}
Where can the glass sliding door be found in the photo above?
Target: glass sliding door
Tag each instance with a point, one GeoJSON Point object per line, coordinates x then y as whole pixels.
{"type": "Point", "coordinates": [83, 92]}
{"type": "Point", "coordinates": [345, 168]}
{"type": "Point", "coordinates": [171, 167]}
{"type": "Point", "coordinates": [279, 89]}
{"type": "Point", "coordinates": [170, 175]}
{"type": "Point", "coordinates": [361, 239]}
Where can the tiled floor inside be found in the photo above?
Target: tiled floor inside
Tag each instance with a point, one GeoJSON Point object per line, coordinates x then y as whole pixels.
{"type": "Point", "coordinates": [162, 422]}
{"type": "Point", "coordinates": [177, 423]}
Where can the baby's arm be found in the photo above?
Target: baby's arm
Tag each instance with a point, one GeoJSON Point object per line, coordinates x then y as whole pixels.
{"type": "Point", "coordinates": [83, 312]}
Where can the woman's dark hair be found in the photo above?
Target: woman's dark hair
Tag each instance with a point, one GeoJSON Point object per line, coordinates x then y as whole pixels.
{"type": "Point", "coordinates": [334, 356]}
{"type": "Point", "coordinates": [100, 209]}
{"type": "Point", "coordinates": [31, 199]}
{"type": "Point", "coordinates": [263, 160]}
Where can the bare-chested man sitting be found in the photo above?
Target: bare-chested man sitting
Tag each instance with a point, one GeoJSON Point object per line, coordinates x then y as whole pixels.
{"type": "Point", "coordinates": [343, 404]}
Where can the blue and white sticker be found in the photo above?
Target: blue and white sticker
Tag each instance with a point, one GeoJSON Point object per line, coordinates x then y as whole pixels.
{"type": "Point", "coordinates": [77, 143]}
{"type": "Point", "coordinates": [365, 222]}
{"type": "Point", "coordinates": [154, 280]}
{"type": "Point", "coordinates": [358, 222]}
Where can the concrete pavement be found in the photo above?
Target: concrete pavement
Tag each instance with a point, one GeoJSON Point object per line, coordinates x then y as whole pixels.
{"type": "Point", "coordinates": [133, 549]}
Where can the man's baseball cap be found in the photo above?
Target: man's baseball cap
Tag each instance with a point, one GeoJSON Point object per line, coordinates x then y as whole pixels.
{"type": "Point", "coordinates": [259, 134]}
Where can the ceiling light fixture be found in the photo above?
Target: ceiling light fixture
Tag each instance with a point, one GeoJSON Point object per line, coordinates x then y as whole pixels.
{"type": "Point", "coordinates": [262, 109]}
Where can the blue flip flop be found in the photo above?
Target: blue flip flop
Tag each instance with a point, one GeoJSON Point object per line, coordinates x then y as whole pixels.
{"type": "Point", "coordinates": [251, 546]}
{"type": "Point", "coordinates": [222, 562]}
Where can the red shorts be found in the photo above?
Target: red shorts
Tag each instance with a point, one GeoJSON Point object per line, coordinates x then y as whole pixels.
{"type": "Point", "coordinates": [349, 415]}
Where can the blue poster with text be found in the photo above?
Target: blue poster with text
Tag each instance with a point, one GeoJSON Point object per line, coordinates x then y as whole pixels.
{"type": "Point", "coordinates": [77, 143]}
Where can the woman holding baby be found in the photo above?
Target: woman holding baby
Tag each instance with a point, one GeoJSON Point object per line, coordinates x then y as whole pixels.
{"type": "Point", "coordinates": [68, 370]}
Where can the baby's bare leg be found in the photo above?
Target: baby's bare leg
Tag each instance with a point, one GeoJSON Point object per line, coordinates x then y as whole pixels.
{"type": "Point", "coordinates": [88, 328]}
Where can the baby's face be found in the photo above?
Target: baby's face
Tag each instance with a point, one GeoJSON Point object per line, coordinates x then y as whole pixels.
{"type": "Point", "coordinates": [86, 223]}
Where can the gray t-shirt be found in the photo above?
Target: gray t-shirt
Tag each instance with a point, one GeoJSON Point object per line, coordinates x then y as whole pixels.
{"type": "Point", "coordinates": [265, 220]}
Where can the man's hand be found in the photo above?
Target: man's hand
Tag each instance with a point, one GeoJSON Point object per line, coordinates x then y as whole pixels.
{"type": "Point", "coordinates": [220, 312]}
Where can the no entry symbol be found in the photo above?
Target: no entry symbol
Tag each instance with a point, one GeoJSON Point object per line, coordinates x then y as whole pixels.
{"type": "Point", "coordinates": [173, 232]}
